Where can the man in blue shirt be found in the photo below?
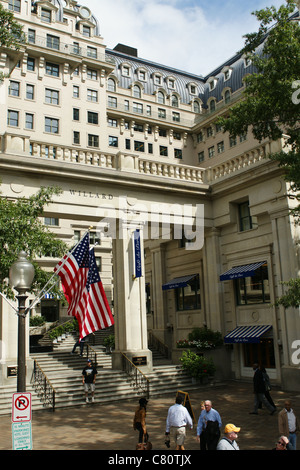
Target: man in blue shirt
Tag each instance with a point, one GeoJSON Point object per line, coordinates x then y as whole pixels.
{"type": "Point", "coordinates": [177, 420]}
{"type": "Point", "coordinates": [208, 428]}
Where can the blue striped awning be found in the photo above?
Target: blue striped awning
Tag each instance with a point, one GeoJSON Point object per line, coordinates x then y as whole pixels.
{"type": "Point", "coordinates": [247, 334]}
{"type": "Point", "coordinates": [247, 270]}
{"type": "Point", "coordinates": [178, 282]}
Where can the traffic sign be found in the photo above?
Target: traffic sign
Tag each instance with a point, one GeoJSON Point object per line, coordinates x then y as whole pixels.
{"type": "Point", "coordinates": [21, 407]}
{"type": "Point", "coordinates": [21, 436]}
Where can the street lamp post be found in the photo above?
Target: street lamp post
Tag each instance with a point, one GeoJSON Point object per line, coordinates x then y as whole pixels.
{"type": "Point", "coordinates": [21, 275]}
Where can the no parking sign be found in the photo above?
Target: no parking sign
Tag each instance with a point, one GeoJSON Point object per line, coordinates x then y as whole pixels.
{"type": "Point", "coordinates": [21, 421]}
{"type": "Point", "coordinates": [21, 407]}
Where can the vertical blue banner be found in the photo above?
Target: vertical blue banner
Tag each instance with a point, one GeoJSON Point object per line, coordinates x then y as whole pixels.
{"type": "Point", "coordinates": [137, 254]}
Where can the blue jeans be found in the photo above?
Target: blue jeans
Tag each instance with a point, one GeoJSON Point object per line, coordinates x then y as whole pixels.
{"type": "Point", "coordinates": [293, 440]}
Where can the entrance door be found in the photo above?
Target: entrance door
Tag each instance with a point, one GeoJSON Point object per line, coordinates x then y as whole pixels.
{"type": "Point", "coordinates": [50, 310]}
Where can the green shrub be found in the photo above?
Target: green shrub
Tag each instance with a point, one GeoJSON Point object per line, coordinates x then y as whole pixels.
{"type": "Point", "coordinates": [197, 366]}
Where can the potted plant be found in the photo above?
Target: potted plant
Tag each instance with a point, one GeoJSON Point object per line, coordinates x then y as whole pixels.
{"type": "Point", "coordinates": [198, 367]}
{"type": "Point", "coordinates": [109, 342]}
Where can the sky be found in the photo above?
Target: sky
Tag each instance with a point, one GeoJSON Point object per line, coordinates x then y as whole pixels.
{"type": "Point", "coordinates": [195, 36]}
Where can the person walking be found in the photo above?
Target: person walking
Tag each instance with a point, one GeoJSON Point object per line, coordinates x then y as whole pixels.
{"type": "Point", "coordinates": [208, 428]}
{"type": "Point", "coordinates": [288, 424]}
{"type": "Point", "coordinates": [80, 343]}
{"type": "Point", "coordinates": [228, 442]}
{"type": "Point", "coordinates": [267, 386]}
{"type": "Point", "coordinates": [139, 420]}
{"type": "Point", "coordinates": [259, 391]}
{"type": "Point", "coordinates": [178, 419]}
{"type": "Point", "coordinates": [89, 379]}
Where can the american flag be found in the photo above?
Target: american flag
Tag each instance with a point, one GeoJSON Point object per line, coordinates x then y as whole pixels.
{"type": "Point", "coordinates": [83, 289]}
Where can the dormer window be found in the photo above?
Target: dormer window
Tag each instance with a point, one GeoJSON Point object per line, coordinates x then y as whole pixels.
{"type": "Point", "coordinates": [192, 88]}
{"type": "Point", "coordinates": [157, 79]}
{"type": "Point", "coordinates": [227, 71]}
{"type": "Point", "coordinates": [125, 69]}
{"type": "Point", "coordinates": [46, 15]}
{"type": "Point", "coordinates": [212, 82]}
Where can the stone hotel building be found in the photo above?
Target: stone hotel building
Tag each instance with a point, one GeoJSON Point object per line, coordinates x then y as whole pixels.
{"type": "Point", "coordinates": [135, 145]}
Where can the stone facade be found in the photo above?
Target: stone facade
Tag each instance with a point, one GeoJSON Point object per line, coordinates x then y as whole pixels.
{"type": "Point", "coordinates": [138, 143]}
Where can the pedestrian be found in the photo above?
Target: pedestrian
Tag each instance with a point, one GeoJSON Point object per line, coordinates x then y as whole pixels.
{"type": "Point", "coordinates": [208, 428]}
{"type": "Point", "coordinates": [267, 386]}
{"type": "Point", "coordinates": [89, 379]}
{"type": "Point", "coordinates": [80, 342]}
{"type": "Point", "coordinates": [259, 391]}
{"type": "Point", "coordinates": [178, 419]}
{"type": "Point", "coordinates": [282, 443]}
{"type": "Point", "coordinates": [139, 420]}
{"type": "Point", "coordinates": [288, 424]}
{"type": "Point", "coordinates": [228, 442]}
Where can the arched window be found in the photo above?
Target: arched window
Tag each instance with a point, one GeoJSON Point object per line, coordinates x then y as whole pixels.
{"type": "Point", "coordinates": [174, 101]}
{"type": "Point", "coordinates": [160, 97]}
{"type": "Point", "coordinates": [111, 84]}
{"type": "Point", "coordinates": [227, 96]}
{"type": "Point", "coordinates": [197, 108]}
{"type": "Point", "coordinates": [212, 106]}
{"type": "Point", "coordinates": [136, 91]}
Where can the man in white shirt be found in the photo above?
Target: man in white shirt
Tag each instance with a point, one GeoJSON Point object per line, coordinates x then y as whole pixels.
{"type": "Point", "coordinates": [177, 420]}
{"type": "Point", "coordinates": [228, 442]}
{"type": "Point", "coordinates": [288, 424]}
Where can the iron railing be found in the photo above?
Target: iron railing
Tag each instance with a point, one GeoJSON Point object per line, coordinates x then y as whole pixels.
{"type": "Point", "coordinates": [139, 380]}
{"type": "Point", "coordinates": [43, 386]}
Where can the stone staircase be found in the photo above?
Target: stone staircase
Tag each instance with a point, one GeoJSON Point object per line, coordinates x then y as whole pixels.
{"type": "Point", "coordinates": [63, 370]}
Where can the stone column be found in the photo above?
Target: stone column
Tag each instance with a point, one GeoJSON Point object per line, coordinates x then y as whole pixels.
{"type": "Point", "coordinates": [130, 301]}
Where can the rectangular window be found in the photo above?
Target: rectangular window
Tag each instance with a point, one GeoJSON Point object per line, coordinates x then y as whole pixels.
{"type": "Point", "coordinates": [12, 118]}
{"type": "Point", "coordinates": [91, 74]}
{"type": "Point", "coordinates": [201, 157]}
{"type": "Point", "coordinates": [245, 216]}
{"type": "Point", "coordinates": [86, 31]}
{"type": "Point", "coordinates": [51, 125]}
{"type": "Point", "coordinates": [51, 221]}
{"type": "Point", "coordinates": [14, 88]}
{"type": "Point", "coordinates": [255, 289]}
{"type": "Point", "coordinates": [163, 151]}
{"type": "Point", "coordinates": [92, 52]}
{"type": "Point", "coordinates": [176, 117]}
{"type": "Point", "coordinates": [53, 42]}
{"type": "Point", "coordinates": [75, 91]}
{"type": "Point", "coordinates": [262, 352]}
{"type": "Point", "coordinates": [76, 137]}
{"type": "Point", "coordinates": [113, 141]}
{"type": "Point", "coordinates": [178, 153]}
{"type": "Point", "coordinates": [46, 15]}
{"type": "Point", "coordinates": [14, 5]}
{"type": "Point", "coordinates": [112, 102]}
{"type": "Point", "coordinates": [92, 95]}
{"type": "Point", "coordinates": [211, 152]}
{"type": "Point", "coordinates": [30, 64]}
{"type": "Point", "coordinates": [162, 113]}
{"type": "Point", "coordinates": [76, 114]}
{"type": "Point", "coordinates": [188, 298]}
{"type": "Point", "coordinates": [220, 147]}
{"type": "Point", "coordinates": [92, 117]}
{"type": "Point", "coordinates": [137, 108]}
{"type": "Point", "coordinates": [150, 148]}
{"type": "Point", "coordinates": [139, 146]}
{"type": "Point", "coordinates": [93, 140]}
{"type": "Point", "coordinates": [127, 144]}
{"type": "Point", "coordinates": [29, 92]}
{"type": "Point", "coordinates": [51, 96]}
{"type": "Point", "coordinates": [28, 121]}
{"type": "Point", "coordinates": [31, 36]}
{"type": "Point", "coordinates": [52, 69]}
{"type": "Point", "coordinates": [112, 122]}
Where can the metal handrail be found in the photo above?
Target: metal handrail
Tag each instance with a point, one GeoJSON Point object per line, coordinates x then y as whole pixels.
{"type": "Point", "coordinates": [43, 386]}
{"type": "Point", "coordinates": [156, 343]}
{"type": "Point", "coordinates": [93, 354]}
{"type": "Point", "coordinates": [140, 380]}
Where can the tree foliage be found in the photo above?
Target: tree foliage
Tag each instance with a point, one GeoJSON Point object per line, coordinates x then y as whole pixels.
{"type": "Point", "coordinates": [271, 104]}
{"type": "Point", "coordinates": [11, 32]}
{"type": "Point", "coordinates": [21, 228]}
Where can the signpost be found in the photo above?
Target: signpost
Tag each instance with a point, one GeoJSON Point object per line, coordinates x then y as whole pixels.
{"type": "Point", "coordinates": [21, 421]}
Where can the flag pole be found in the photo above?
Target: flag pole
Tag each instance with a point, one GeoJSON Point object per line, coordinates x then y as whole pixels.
{"type": "Point", "coordinates": [12, 306]}
{"type": "Point", "coordinates": [44, 290]}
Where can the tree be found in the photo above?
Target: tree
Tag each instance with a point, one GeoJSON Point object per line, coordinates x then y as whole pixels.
{"type": "Point", "coordinates": [22, 229]}
{"type": "Point", "coordinates": [271, 99]}
{"type": "Point", "coordinates": [11, 32]}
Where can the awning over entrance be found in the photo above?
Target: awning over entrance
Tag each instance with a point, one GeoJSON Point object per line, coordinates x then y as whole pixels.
{"type": "Point", "coordinates": [247, 334]}
{"type": "Point", "coordinates": [237, 272]}
{"type": "Point", "coordinates": [178, 282]}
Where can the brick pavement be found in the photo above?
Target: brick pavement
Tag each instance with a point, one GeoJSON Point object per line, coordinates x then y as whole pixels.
{"type": "Point", "coordinates": [109, 426]}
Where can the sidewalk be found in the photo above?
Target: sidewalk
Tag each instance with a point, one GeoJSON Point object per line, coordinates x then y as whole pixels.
{"type": "Point", "coordinates": [109, 426]}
